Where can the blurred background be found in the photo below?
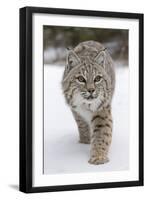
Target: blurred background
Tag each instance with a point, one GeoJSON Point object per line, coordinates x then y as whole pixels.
{"type": "Point", "coordinates": [56, 40]}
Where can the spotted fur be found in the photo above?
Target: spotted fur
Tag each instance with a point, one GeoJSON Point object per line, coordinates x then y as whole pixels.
{"type": "Point", "coordinates": [88, 86]}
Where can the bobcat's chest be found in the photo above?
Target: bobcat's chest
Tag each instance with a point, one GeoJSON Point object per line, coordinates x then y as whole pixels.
{"type": "Point", "coordinates": [85, 109]}
{"type": "Point", "coordinates": [84, 113]}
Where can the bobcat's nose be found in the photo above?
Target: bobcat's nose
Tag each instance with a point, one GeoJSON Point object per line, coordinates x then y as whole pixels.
{"type": "Point", "coordinates": [91, 90]}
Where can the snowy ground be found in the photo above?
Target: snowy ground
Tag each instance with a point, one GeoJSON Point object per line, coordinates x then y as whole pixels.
{"type": "Point", "coordinates": [62, 152]}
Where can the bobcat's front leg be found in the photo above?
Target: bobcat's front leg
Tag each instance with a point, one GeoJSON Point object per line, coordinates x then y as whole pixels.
{"type": "Point", "coordinates": [101, 125]}
{"type": "Point", "coordinates": [84, 132]}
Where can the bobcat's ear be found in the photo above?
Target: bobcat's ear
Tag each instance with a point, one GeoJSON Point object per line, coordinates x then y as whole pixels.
{"type": "Point", "coordinates": [72, 60]}
{"type": "Point", "coordinates": [100, 58]}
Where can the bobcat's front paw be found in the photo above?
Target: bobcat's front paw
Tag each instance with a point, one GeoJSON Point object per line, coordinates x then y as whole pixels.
{"type": "Point", "coordinates": [85, 141]}
{"type": "Point", "coordinates": [98, 160]}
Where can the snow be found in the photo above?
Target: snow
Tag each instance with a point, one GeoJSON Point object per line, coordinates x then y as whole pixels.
{"type": "Point", "coordinates": [62, 151]}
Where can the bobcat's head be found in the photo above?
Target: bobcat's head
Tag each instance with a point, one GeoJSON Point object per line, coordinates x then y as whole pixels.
{"type": "Point", "coordinates": [86, 81]}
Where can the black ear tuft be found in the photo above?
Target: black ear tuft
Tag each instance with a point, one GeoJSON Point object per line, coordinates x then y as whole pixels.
{"type": "Point", "coordinates": [68, 48]}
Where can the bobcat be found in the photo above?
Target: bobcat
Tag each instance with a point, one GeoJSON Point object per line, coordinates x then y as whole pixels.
{"type": "Point", "coordinates": [88, 86]}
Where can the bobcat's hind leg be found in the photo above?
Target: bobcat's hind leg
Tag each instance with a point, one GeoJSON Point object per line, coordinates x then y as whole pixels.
{"type": "Point", "coordinates": [84, 131]}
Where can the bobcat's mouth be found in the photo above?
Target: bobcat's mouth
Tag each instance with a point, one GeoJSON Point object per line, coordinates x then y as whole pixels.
{"type": "Point", "coordinates": [90, 97]}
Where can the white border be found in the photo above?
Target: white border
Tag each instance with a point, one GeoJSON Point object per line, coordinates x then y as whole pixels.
{"type": "Point", "coordinates": [39, 179]}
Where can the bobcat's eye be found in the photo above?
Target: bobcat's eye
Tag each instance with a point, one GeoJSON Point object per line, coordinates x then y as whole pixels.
{"type": "Point", "coordinates": [81, 79]}
{"type": "Point", "coordinates": [98, 78]}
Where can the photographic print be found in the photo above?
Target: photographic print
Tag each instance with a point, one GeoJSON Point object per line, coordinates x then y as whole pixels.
{"type": "Point", "coordinates": [83, 76]}
{"type": "Point", "coordinates": [78, 64]}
